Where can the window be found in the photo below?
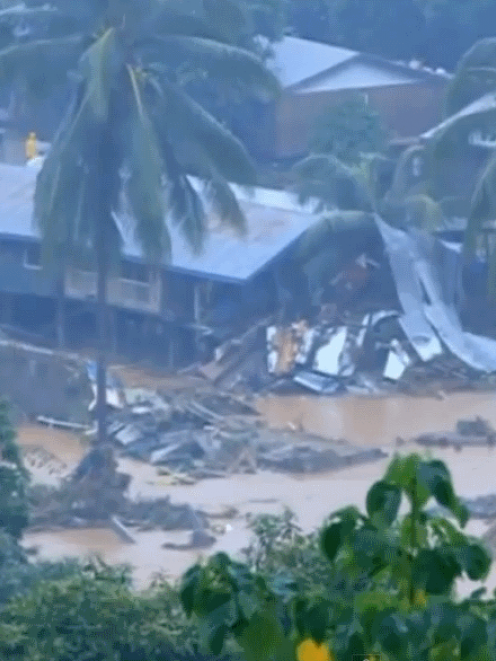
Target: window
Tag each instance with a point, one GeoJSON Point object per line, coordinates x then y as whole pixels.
{"type": "Point", "coordinates": [32, 256]}
{"type": "Point", "coordinates": [135, 272]}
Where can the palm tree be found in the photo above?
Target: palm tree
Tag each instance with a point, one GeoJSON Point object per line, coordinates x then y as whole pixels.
{"type": "Point", "coordinates": [363, 190]}
{"type": "Point", "coordinates": [471, 108]}
{"type": "Point", "coordinates": [131, 134]}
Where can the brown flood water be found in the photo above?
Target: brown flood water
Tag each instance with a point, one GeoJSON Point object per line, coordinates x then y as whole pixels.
{"type": "Point", "coordinates": [376, 421]}
{"type": "Point", "coordinates": [362, 421]}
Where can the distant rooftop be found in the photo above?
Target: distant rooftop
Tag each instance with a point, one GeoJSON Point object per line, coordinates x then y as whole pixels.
{"type": "Point", "coordinates": [297, 61]}
{"type": "Point", "coordinates": [275, 221]}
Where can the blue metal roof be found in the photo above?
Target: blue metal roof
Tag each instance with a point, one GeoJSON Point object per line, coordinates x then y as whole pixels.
{"type": "Point", "coordinates": [274, 222]}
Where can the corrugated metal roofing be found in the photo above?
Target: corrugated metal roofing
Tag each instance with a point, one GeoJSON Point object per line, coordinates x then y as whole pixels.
{"type": "Point", "coordinates": [357, 75]}
{"type": "Point", "coordinates": [274, 221]}
{"type": "Point", "coordinates": [295, 60]}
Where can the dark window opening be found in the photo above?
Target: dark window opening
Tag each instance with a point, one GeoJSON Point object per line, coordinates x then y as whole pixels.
{"type": "Point", "coordinates": [32, 256]}
{"type": "Point", "coordinates": [135, 272]}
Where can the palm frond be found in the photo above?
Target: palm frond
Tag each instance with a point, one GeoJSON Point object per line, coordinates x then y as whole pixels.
{"type": "Point", "coordinates": [424, 213]}
{"type": "Point", "coordinates": [225, 203]}
{"type": "Point", "coordinates": [16, 58]}
{"type": "Point", "coordinates": [144, 187]}
{"type": "Point", "coordinates": [62, 152]}
{"type": "Point", "coordinates": [187, 211]}
{"type": "Point", "coordinates": [454, 135]}
{"type": "Point", "coordinates": [483, 205]}
{"type": "Point", "coordinates": [402, 178]}
{"type": "Point", "coordinates": [337, 184]}
{"type": "Point", "coordinates": [323, 232]}
{"type": "Point", "coordinates": [96, 67]}
{"type": "Point", "coordinates": [465, 86]}
{"type": "Point", "coordinates": [188, 121]}
{"type": "Point", "coordinates": [220, 61]}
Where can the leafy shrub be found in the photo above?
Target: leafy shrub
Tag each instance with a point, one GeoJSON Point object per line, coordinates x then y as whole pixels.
{"type": "Point", "coordinates": [390, 585]}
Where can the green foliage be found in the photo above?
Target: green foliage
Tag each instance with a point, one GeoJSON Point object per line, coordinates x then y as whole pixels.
{"type": "Point", "coordinates": [95, 615]}
{"type": "Point", "coordinates": [474, 78]}
{"type": "Point", "coordinates": [396, 577]}
{"type": "Point", "coordinates": [348, 130]}
{"type": "Point", "coordinates": [13, 479]}
{"type": "Point", "coordinates": [18, 575]}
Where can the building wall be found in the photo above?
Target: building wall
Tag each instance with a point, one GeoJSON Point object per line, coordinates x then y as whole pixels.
{"type": "Point", "coordinates": [16, 278]}
{"type": "Point", "coordinates": [126, 294]}
{"type": "Point", "coordinates": [407, 110]}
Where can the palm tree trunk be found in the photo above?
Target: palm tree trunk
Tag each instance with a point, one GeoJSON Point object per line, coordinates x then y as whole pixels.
{"type": "Point", "coordinates": [60, 312]}
{"type": "Point", "coordinates": [101, 313]}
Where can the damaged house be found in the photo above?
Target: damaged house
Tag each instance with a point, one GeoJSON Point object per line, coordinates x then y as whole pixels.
{"type": "Point", "coordinates": [189, 306]}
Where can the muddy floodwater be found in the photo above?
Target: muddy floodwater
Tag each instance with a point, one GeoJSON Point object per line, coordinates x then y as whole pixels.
{"type": "Point", "coordinates": [372, 422]}
{"type": "Point", "coordinates": [376, 421]}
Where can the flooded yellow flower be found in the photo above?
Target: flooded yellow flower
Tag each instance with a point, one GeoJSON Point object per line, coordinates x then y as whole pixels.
{"type": "Point", "coordinates": [309, 650]}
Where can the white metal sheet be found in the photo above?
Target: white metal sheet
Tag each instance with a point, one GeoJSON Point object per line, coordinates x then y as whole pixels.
{"type": "Point", "coordinates": [328, 357]}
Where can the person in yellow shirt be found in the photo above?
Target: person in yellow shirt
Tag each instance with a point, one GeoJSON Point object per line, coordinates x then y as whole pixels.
{"type": "Point", "coordinates": [31, 146]}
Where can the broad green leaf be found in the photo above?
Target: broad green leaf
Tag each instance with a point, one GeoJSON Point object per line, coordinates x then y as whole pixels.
{"type": "Point", "coordinates": [390, 632]}
{"type": "Point", "coordinates": [434, 571]}
{"type": "Point", "coordinates": [474, 635]}
{"type": "Point", "coordinates": [262, 636]}
{"type": "Point", "coordinates": [383, 503]}
{"type": "Point", "coordinates": [248, 604]}
{"type": "Point", "coordinates": [317, 620]}
{"type": "Point", "coordinates": [474, 559]}
{"type": "Point", "coordinates": [283, 585]}
{"type": "Point", "coordinates": [436, 477]}
{"type": "Point", "coordinates": [332, 539]}
{"type": "Point", "coordinates": [403, 472]}
{"type": "Point", "coordinates": [189, 585]}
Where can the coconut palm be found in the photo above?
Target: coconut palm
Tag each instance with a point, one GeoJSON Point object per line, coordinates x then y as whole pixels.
{"type": "Point", "coordinates": [471, 109]}
{"type": "Point", "coordinates": [131, 134]}
{"type": "Point", "coordinates": [363, 190]}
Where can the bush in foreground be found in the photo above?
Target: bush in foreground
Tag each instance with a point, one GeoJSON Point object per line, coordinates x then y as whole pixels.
{"type": "Point", "coordinates": [389, 591]}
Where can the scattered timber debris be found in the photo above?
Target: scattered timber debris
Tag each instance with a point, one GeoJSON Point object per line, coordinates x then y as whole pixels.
{"type": "Point", "coordinates": [212, 435]}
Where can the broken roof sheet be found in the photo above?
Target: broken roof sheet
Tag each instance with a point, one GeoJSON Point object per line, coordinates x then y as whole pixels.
{"type": "Point", "coordinates": [417, 280]}
{"type": "Point", "coordinates": [274, 222]}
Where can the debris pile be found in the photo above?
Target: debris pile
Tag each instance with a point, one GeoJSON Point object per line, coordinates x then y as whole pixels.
{"type": "Point", "coordinates": [469, 433]}
{"type": "Point", "coordinates": [95, 494]}
{"type": "Point", "coordinates": [362, 347]}
{"type": "Point", "coordinates": [369, 354]}
{"type": "Point", "coordinates": [214, 435]}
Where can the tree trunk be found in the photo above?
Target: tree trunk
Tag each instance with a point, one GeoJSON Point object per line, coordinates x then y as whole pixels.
{"type": "Point", "coordinates": [60, 311]}
{"type": "Point", "coordinates": [101, 313]}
